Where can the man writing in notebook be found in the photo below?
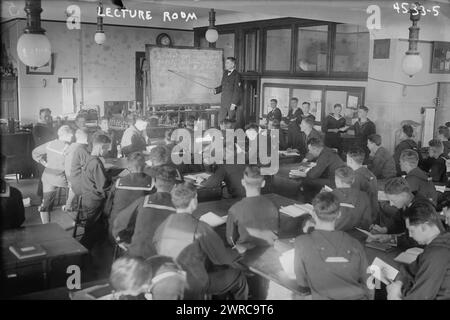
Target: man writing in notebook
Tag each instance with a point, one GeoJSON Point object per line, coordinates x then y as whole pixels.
{"type": "Point", "coordinates": [427, 278]}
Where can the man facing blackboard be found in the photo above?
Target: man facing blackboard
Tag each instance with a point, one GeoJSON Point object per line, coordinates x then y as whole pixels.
{"type": "Point", "coordinates": [231, 94]}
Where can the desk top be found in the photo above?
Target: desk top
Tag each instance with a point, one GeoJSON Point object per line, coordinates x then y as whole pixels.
{"type": "Point", "coordinates": [54, 239]}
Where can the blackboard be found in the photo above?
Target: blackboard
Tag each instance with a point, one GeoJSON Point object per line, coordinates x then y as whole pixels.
{"type": "Point", "coordinates": [204, 66]}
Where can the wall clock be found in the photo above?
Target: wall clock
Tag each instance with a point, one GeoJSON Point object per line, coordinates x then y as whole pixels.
{"type": "Point", "coordinates": [163, 39]}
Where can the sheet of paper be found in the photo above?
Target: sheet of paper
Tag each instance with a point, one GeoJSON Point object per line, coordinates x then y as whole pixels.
{"type": "Point", "coordinates": [440, 188]}
{"type": "Point", "coordinates": [297, 210]}
{"type": "Point", "coordinates": [367, 233]}
{"type": "Point", "coordinates": [327, 188]}
{"type": "Point", "coordinates": [382, 196]}
{"type": "Point", "coordinates": [287, 262]}
{"type": "Point", "coordinates": [352, 102]}
{"type": "Point", "coordinates": [213, 219]}
{"type": "Point", "coordinates": [409, 256]}
{"type": "Point", "coordinates": [383, 271]}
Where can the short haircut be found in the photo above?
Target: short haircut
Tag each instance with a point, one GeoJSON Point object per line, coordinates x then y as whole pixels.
{"type": "Point", "coordinates": [136, 159]}
{"type": "Point", "coordinates": [64, 130]}
{"type": "Point", "coordinates": [306, 102]}
{"type": "Point", "coordinates": [396, 186]}
{"type": "Point", "coordinates": [274, 100]}
{"type": "Point", "coordinates": [375, 138]}
{"type": "Point", "coordinates": [408, 130]}
{"type": "Point", "coordinates": [253, 126]}
{"type": "Point", "coordinates": [420, 213]}
{"type": "Point", "coordinates": [326, 206]}
{"type": "Point", "coordinates": [252, 176]}
{"type": "Point", "coordinates": [364, 108]}
{"type": "Point", "coordinates": [81, 134]}
{"type": "Point", "coordinates": [232, 59]}
{"type": "Point", "coordinates": [159, 155]}
{"type": "Point", "coordinates": [166, 174]}
{"type": "Point", "coordinates": [345, 174]}
{"type": "Point", "coordinates": [41, 111]}
{"type": "Point", "coordinates": [436, 144]}
{"type": "Point", "coordinates": [294, 99]}
{"type": "Point", "coordinates": [101, 139]}
{"type": "Point", "coordinates": [315, 142]}
{"type": "Point", "coordinates": [182, 194]}
{"type": "Point", "coordinates": [444, 130]}
{"type": "Point", "coordinates": [309, 121]}
{"type": "Point", "coordinates": [130, 274]}
{"type": "Point", "coordinates": [337, 105]}
{"type": "Point", "coordinates": [80, 116]}
{"type": "Point", "coordinates": [357, 154]}
{"type": "Point", "coordinates": [409, 156]}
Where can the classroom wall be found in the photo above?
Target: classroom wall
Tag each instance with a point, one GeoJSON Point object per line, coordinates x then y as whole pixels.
{"type": "Point", "coordinates": [106, 72]}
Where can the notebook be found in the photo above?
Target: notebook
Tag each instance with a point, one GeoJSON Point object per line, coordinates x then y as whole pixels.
{"type": "Point", "coordinates": [213, 219]}
{"type": "Point", "coordinates": [297, 210]}
{"type": "Point", "coordinates": [289, 153]}
{"type": "Point", "coordinates": [382, 271]}
{"type": "Point", "coordinates": [27, 251]}
{"type": "Point", "coordinates": [385, 247]}
{"type": "Point", "coordinates": [408, 256]}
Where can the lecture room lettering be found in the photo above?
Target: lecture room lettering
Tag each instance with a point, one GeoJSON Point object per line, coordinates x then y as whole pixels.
{"type": "Point", "coordinates": [146, 15]}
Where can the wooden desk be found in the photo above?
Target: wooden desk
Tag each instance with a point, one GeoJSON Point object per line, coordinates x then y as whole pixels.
{"type": "Point", "coordinates": [62, 251]}
{"type": "Point", "coordinates": [283, 184]}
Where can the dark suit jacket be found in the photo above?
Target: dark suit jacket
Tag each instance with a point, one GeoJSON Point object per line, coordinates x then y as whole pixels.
{"type": "Point", "coordinates": [231, 93]}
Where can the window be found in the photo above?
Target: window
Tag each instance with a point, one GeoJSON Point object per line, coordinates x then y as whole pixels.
{"type": "Point", "coordinates": [351, 49]}
{"type": "Point", "coordinates": [251, 51]}
{"type": "Point", "coordinates": [312, 49]}
{"type": "Point", "coordinates": [226, 42]}
{"type": "Point", "coordinates": [278, 50]}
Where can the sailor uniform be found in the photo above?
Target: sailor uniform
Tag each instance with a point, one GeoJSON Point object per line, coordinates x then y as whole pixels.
{"type": "Point", "coordinates": [333, 139]}
{"type": "Point", "coordinates": [403, 145]}
{"type": "Point", "coordinates": [313, 134]}
{"type": "Point", "coordinates": [366, 181]}
{"type": "Point", "coordinates": [362, 131]}
{"type": "Point", "coordinates": [132, 141]}
{"type": "Point", "coordinates": [137, 223]}
{"type": "Point", "coordinates": [11, 205]}
{"type": "Point", "coordinates": [436, 168]}
{"type": "Point", "coordinates": [79, 158]}
{"type": "Point", "coordinates": [112, 153]}
{"type": "Point", "coordinates": [274, 114]}
{"type": "Point", "coordinates": [199, 250]}
{"type": "Point", "coordinates": [355, 209]}
{"type": "Point", "coordinates": [382, 164]}
{"type": "Point", "coordinates": [420, 183]}
{"type": "Point", "coordinates": [232, 175]}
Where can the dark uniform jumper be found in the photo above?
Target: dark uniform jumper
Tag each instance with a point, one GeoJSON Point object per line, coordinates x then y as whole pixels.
{"type": "Point", "coordinates": [403, 145]}
{"type": "Point", "coordinates": [436, 168]}
{"type": "Point", "coordinates": [420, 183]}
{"type": "Point", "coordinates": [355, 208]}
{"type": "Point", "coordinates": [382, 164]}
{"type": "Point", "coordinates": [333, 139]}
{"type": "Point", "coordinates": [362, 131]}
{"type": "Point", "coordinates": [366, 181]}
{"type": "Point", "coordinates": [200, 251]}
{"type": "Point", "coordinates": [232, 175]}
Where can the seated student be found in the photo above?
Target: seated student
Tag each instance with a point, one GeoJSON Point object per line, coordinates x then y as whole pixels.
{"type": "Point", "coordinates": [274, 112]}
{"type": "Point", "coordinates": [406, 143]}
{"type": "Point", "coordinates": [158, 278]}
{"type": "Point", "coordinates": [106, 130]}
{"type": "Point", "coordinates": [199, 250]}
{"type": "Point", "coordinates": [381, 162]}
{"type": "Point", "coordinates": [355, 204]}
{"type": "Point", "coordinates": [364, 179]}
{"type": "Point", "coordinates": [52, 156]}
{"type": "Point", "coordinates": [133, 138]}
{"type": "Point", "coordinates": [141, 218]}
{"type": "Point", "coordinates": [95, 184]}
{"type": "Point", "coordinates": [435, 164]}
{"type": "Point", "coordinates": [428, 277]}
{"type": "Point", "coordinates": [253, 221]}
{"type": "Point", "coordinates": [75, 160]}
{"type": "Point", "coordinates": [308, 132]}
{"type": "Point", "coordinates": [231, 174]}
{"type": "Point", "coordinates": [331, 263]}
{"type": "Point", "coordinates": [418, 180]}
{"type": "Point", "coordinates": [160, 156]}
{"type": "Point", "coordinates": [129, 188]}
{"type": "Point", "coordinates": [11, 202]}
{"type": "Point", "coordinates": [444, 136]}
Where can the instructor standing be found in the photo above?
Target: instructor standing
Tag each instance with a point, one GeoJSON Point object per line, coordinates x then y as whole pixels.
{"type": "Point", "coordinates": [231, 94]}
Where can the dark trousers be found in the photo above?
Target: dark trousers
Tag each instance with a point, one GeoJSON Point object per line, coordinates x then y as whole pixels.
{"type": "Point", "coordinates": [228, 281]}
{"type": "Point", "coordinates": [39, 171]}
{"type": "Point", "coordinates": [96, 227]}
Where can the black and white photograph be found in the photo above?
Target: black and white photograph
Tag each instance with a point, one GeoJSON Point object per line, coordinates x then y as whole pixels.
{"type": "Point", "coordinates": [225, 154]}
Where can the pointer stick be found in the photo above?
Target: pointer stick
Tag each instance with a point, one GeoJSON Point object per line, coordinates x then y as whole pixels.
{"type": "Point", "coordinates": [180, 75]}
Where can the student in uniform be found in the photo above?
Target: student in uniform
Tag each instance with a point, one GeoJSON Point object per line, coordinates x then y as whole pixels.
{"type": "Point", "coordinates": [428, 277]}
{"type": "Point", "coordinates": [129, 188]}
{"type": "Point", "coordinates": [274, 112]}
{"type": "Point", "coordinates": [75, 159]}
{"type": "Point", "coordinates": [435, 164]}
{"type": "Point", "coordinates": [381, 162]}
{"type": "Point", "coordinates": [331, 263]}
{"type": "Point", "coordinates": [365, 180]}
{"type": "Point", "coordinates": [332, 126]}
{"type": "Point", "coordinates": [160, 156]}
{"type": "Point", "coordinates": [306, 107]}
{"type": "Point", "coordinates": [199, 250]}
{"type": "Point", "coordinates": [136, 224]}
{"type": "Point", "coordinates": [95, 184]}
{"type": "Point", "coordinates": [157, 278]}
{"type": "Point", "coordinates": [363, 128]}
{"type": "Point", "coordinates": [253, 221]}
{"type": "Point", "coordinates": [294, 119]}
{"type": "Point", "coordinates": [52, 155]}
{"type": "Point", "coordinates": [11, 202]}
{"type": "Point", "coordinates": [355, 205]}
{"type": "Point", "coordinates": [295, 113]}
{"type": "Point", "coordinates": [327, 161]}
{"type": "Point", "coordinates": [444, 136]}
{"type": "Point", "coordinates": [106, 130]}
{"type": "Point", "coordinates": [418, 180]}
{"type": "Point", "coordinates": [308, 132]}
{"type": "Point", "coordinates": [133, 138]}
{"type": "Point", "coordinates": [406, 143]}
{"type": "Point", "coordinates": [80, 122]}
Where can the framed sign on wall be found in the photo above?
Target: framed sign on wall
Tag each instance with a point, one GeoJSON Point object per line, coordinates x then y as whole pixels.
{"type": "Point", "coordinates": [440, 58]}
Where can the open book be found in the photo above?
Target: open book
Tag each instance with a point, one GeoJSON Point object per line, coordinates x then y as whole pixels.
{"type": "Point", "coordinates": [297, 210]}
{"type": "Point", "coordinates": [198, 178]}
{"type": "Point", "coordinates": [213, 219]}
{"type": "Point", "coordinates": [408, 256]}
{"type": "Point", "coordinates": [382, 271]}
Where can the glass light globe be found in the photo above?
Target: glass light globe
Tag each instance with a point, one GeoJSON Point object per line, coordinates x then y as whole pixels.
{"type": "Point", "coordinates": [100, 38]}
{"type": "Point", "coordinates": [211, 35]}
{"type": "Point", "coordinates": [34, 50]}
{"type": "Point", "coordinates": [412, 64]}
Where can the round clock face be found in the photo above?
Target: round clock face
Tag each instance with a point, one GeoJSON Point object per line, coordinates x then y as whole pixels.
{"type": "Point", "coordinates": [164, 39]}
